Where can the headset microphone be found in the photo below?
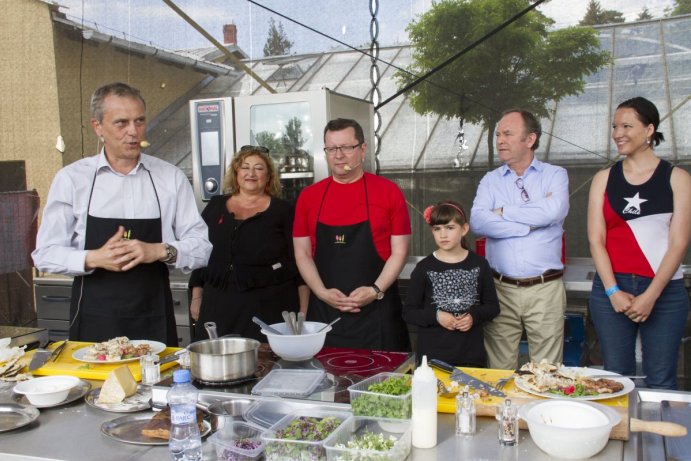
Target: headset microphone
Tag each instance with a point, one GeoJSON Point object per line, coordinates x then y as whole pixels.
{"type": "Point", "coordinates": [350, 168]}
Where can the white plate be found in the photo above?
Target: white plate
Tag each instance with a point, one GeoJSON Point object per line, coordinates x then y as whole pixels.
{"type": "Point", "coordinates": [76, 393]}
{"type": "Point", "coordinates": [156, 348]}
{"type": "Point", "coordinates": [137, 402]}
{"type": "Point", "coordinates": [128, 429]}
{"type": "Point", "coordinates": [628, 385]}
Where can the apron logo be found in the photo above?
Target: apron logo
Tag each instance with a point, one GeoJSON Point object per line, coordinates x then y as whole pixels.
{"type": "Point", "coordinates": [340, 239]}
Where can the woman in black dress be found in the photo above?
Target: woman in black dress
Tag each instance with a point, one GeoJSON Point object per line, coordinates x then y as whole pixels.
{"type": "Point", "coordinates": [252, 268]}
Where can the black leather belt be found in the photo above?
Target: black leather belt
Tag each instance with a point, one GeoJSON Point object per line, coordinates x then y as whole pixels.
{"type": "Point", "coordinates": [548, 276]}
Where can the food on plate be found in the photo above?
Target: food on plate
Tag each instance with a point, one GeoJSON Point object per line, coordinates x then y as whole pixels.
{"type": "Point", "coordinates": [119, 385]}
{"type": "Point", "coordinates": [158, 427]}
{"type": "Point", "coordinates": [116, 349]}
{"type": "Point", "coordinates": [545, 377]}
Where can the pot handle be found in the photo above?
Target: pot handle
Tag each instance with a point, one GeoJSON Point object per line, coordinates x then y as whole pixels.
{"type": "Point", "coordinates": [211, 329]}
{"type": "Point", "coordinates": [657, 427]}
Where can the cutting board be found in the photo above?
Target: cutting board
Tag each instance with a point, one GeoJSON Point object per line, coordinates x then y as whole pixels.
{"type": "Point", "coordinates": [66, 365]}
{"type": "Point", "coordinates": [486, 406]}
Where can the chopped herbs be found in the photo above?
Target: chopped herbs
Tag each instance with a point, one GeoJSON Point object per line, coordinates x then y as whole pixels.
{"type": "Point", "coordinates": [389, 400]}
{"type": "Point", "coordinates": [577, 390]}
{"type": "Point", "coordinates": [370, 441]}
{"type": "Point", "coordinates": [302, 429]}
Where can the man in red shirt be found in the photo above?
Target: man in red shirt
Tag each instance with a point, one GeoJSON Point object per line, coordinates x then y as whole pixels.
{"type": "Point", "coordinates": [351, 236]}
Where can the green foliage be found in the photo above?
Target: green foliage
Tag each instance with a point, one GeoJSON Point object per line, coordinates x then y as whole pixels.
{"type": "Point", "coordinates": [525, 65]}
{"type": "Point", "coordinates": [596, 15]}
{"type": "Point", "coordinates": [645, 14]}
{"type": "Point", "coordinates": [266, 139]}
{"type": "Point", "coordinates": [681, 7]}
{"type": "Point", "coordinates": [292, 138]}
{"type": "Point", "coordinates": [277, 43]}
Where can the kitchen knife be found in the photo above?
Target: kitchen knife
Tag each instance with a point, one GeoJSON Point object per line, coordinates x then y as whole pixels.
{"type": "Point", "coordinates": [465, 379]}
{"type": "Point", "coordinates": [41, 356]}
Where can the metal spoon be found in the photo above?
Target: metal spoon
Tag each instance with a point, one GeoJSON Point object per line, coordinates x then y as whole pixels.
{"type": "Point", "coordinates": [301, 322]}
{"type": "Point", "coordinates": [294, 323]}
{"type": "Point", "coordinates": [325, 326]}
{"type": "Point", "coordinates": [287, 320]}
{"type": "Point", "coordinates": [265, 326]}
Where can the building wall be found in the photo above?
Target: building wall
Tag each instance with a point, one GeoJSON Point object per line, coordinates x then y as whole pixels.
{"type": "Point", "coordinates": [29, 104]}
{"type": "Point", "coordinates": [84, 65]}
{"type": "Point", "coordinates": [47, 76]}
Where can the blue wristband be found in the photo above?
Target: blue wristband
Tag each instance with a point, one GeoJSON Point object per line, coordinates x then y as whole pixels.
{"type": "Point", "coordinates": [611, 290]}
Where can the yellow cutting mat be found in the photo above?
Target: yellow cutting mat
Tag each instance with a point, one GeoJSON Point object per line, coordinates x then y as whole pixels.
{"type": "Point", "coordinates": [66, 365]}
{"type": "Point", "coordinates": [486, 405]}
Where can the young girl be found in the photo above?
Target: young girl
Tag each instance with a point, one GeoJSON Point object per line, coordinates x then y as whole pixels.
{"type": "Point", "coordinates": [451, 293]}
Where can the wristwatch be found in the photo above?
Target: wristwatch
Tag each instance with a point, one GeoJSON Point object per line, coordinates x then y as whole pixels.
{"type": "Point", "coordinates": [171, 254]}
{"type": "Point", "coordinates": [380, 294]}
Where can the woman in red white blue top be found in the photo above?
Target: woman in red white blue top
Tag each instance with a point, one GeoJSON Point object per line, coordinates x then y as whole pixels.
{"type": "Point", "coordinates": [639, 221]}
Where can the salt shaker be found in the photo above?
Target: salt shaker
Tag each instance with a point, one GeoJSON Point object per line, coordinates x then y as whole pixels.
{"type": "Point", "coordinates": [151, 369]}
{"type": "Point", "coordinates": [507, 416]}
{"type": "Point", "coordinates": [465, 414]}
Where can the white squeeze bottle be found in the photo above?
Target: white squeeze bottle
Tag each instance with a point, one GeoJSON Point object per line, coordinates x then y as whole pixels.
{"type": "Point", "coordinates": [424, 420]}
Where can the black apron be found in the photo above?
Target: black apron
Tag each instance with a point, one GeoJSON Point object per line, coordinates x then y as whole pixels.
{"type": "Point", "coordinates": [346, 258]}
{"type": "Point", "coordinates": [137, 303]}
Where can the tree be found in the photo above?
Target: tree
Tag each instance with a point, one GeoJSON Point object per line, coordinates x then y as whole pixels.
{"type": "Point", "coordinates": [596, 15]}
{"type": "Point", "coordinates": [681, 7]}
{"type": "Point", "coordinates": [645, 14]}
{"type": "Point", "coordinates": [267, 139]}
{"type": "Point", "coordinates": [277, 43]}
{"type": "Point", "coordinates": [292, 138]}
{"type": "Point", "coordinates": [524, 65]}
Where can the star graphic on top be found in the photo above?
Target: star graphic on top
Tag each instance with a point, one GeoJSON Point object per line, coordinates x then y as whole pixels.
{"type": "Point", "coordinates": [634, 204]}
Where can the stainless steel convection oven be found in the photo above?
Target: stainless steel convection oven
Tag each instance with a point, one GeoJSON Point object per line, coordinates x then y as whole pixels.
{"type": "Point", "coordinates": [290, 125]}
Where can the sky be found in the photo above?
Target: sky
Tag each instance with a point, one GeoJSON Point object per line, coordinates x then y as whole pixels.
{"type": "Point", "coordinates": [153, 21]}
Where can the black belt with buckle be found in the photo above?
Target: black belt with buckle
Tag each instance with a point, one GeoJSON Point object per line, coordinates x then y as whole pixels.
{"type": "Point", "coordinates": [548, 276]}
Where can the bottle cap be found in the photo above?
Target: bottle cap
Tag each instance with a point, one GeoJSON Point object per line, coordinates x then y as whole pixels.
{"type": "Point", "coordinates": [424, 371]}
{"type": "Point", "coordinates": [181, 376]}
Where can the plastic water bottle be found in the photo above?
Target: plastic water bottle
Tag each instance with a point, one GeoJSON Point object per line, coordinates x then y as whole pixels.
{"type": "Point", "coordinates": [424, 418]}
{"type": "Point", "coordinates": [185, 443]}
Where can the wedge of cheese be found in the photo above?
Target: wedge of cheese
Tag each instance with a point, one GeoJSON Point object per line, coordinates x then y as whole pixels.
{"type": "Point", "coordinates": [118, 385]}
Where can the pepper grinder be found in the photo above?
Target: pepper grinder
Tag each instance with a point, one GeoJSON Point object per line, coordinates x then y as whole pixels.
{"type": "Point", "coordinates": [465, 413]}
{"type": "Point", "coordinates": [508, 424]}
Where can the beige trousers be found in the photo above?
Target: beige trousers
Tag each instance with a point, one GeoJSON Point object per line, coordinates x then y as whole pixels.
{"type": "Point", "coordinates": [540, 310]}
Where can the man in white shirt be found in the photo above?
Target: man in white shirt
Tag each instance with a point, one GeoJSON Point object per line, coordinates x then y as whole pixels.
{"type": "Point", "coordinates": [116, 221]}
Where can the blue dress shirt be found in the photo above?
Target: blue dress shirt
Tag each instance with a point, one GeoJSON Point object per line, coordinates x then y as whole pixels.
{"type": "Point", "coordinates": [526, 240]}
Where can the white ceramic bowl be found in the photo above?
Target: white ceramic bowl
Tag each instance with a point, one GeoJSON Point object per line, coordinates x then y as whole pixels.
{"type": "Point", "coordinates": [297, 347]}
{"type": "Point", "coordinates": [569, 429]}
{"type": "Point", "coordinates": [48, 390]}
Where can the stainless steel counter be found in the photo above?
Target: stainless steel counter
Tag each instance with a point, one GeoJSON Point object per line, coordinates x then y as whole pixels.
{"type": "Point", "coordinates": [73, 433]}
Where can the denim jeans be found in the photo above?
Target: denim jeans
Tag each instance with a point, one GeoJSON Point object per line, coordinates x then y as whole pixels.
{"type": "Point", "coordinates": [660, 334]}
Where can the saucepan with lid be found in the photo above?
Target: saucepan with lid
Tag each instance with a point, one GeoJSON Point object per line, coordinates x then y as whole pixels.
{"type": "Point", "coordinates": [224, 359]}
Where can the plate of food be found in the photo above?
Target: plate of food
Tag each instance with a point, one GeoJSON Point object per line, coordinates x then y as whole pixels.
{"type": "Point", "coordinates": [147, 429]}
{"type": "Point", "coordinates": [117, 350]}
{"type": "Point", "coordinates": [139, 401]}
{"type": "Point", "coordinates": [554, 381]}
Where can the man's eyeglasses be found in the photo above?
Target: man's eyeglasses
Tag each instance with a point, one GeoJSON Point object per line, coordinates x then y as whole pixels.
{"type": "Point", "coordinates": [524, 193]}
{"type": "Point", "coordinates": [344, 149]}
{"type": "Point", "coordinates": [250, 147]}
